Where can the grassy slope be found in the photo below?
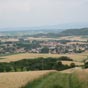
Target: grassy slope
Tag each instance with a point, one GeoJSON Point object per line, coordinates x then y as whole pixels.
{"type": "Point", "coordinates": [58, 80]}
{"type": "Point", "coordinates": [18, 79]}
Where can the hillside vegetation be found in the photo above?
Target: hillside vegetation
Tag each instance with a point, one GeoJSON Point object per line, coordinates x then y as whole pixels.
{"type": "Point", "coordinates": [58, 80]}
{"type": "Point", "coordinates": [70, 32]}
{"type": "Point", "coordinates": [66, 32]}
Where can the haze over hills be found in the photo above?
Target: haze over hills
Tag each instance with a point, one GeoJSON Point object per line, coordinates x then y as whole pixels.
{"type": "Point", "coordinates": [43, 31]}
{"type": "Point", "coordinates": [65, 32]}
{"type": "Point", "coordinates": [31, 30]}
{"type": "Point", "coordinates": [59, 27]}
{"type": "Point", "coordinates": [42, 28]}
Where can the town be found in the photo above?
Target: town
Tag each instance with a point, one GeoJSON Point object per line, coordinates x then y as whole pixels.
{"type": "Point", "coordinates": [23, 45]}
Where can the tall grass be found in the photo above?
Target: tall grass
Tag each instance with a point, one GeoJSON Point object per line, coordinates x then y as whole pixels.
{"type": "Point", "coordinates": [58, 80]}
{"type": "Point", "coordinates": [19, 79]}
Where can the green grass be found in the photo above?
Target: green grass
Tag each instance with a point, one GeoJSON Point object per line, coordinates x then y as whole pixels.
{"type": "Point", "coordinates": [57, 80]}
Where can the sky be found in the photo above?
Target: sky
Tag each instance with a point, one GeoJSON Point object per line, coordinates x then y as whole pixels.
{"type": "Point", "coordinates": [32, 13]}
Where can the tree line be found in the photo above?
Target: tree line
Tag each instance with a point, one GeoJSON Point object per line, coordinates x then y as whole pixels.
{"type": "Point", "coordinates": [36, 64]}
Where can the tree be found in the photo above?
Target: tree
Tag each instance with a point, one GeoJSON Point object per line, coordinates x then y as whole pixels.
{"type": "Point", "coordinates": [72, 65]}
{"type": "Point", "coordinates": [65, 58]}
{"type": "Point", "coordinates": [45, 50]}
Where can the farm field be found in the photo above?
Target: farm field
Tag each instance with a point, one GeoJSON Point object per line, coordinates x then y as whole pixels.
{"type": "Point", "coordinates": [59, 38]}
{"type": "Point", "coordinates": [16, 57]}
{"type": "Point", "coordinates": [69, 63]}
{"type": "Point", "coordinates": [74, 38]}
{"type": "Point", "coordinates": [45, 79]}
{"type": "Point", "coordinates": [78, 79]}
{"type": "Point", "coordinates": [19, 79]}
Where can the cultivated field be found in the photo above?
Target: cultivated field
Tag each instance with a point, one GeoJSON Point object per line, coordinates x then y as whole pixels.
{"type": "Point", "coordinates": [9, 40]}
{"type": "Point", "coordinates": [78, 38]}
{"type": "Point", "coordinates": [19, 79]}
{"type": "Point", "coordinates": [73, 70]}
{"type": "Point", "coordinates": [69, 63]}
{"type": "Point", "coordinates": [16, 57]}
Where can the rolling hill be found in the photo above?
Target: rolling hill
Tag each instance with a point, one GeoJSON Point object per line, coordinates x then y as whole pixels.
{"type": "Point", "coordinates": [70, 32]}
{"type": "Point", "coordinates": [65, 32]}
{"type": "Point", "coordinates": [44, 32]}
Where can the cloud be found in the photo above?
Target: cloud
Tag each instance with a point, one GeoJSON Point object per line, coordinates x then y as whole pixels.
{"type": "Point", "coordinates": [14, 6]}
{"type": "Point", "coordinates": [42, 12]}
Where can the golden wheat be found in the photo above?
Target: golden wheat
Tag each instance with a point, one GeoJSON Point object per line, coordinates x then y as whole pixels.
{"type": "Point", "coordinates": [19, 79]}
{"type": "Point", "coordinates": [31, 55]}
{"type": "Point", "coordinates": [69, 63]}
{"type": "Point", "coordinates": [77, 57]}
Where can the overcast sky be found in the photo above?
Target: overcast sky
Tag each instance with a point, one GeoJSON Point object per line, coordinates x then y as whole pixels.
{"type": "Point", "coordinates": [29, 13]}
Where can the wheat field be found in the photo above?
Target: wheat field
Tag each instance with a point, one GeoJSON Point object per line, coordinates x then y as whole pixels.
{"type": "Point", "coordinates": [19, 79]}
{"type": "Point", "coordinates": [69, 63]}
{"type": "Point", "coordinates": [16, 57]}
{"type": "Point", "coordinates": [59, 38]}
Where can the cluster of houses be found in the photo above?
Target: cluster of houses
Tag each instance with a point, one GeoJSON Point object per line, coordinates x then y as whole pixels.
{"type": "Point", "coordinates": [69, 47]}
{"type": "Point", "coordinates": [52, 47]}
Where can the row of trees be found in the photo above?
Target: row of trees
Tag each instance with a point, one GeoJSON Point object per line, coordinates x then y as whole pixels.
{"type": "Point", "coordinates": [35, 64]}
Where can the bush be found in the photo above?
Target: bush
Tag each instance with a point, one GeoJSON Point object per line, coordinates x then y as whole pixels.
{"type": "Point", "coordinates": [64, 58]}
{"type": "Point", "coordinates": [72, 65]}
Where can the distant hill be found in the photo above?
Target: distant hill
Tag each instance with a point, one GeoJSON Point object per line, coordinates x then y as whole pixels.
{"type": "Point", "coordinates": [70, 32]}
{"type": "Point", "coordinates": [49, 35]}
{"type": "Point", "coordinates": [37, 31]}
{"type": "Point", "coordinates": [42, 32]}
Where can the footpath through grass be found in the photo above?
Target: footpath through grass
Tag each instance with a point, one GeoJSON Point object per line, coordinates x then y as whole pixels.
{"type": "Point", "coordinates": [57, 80]}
